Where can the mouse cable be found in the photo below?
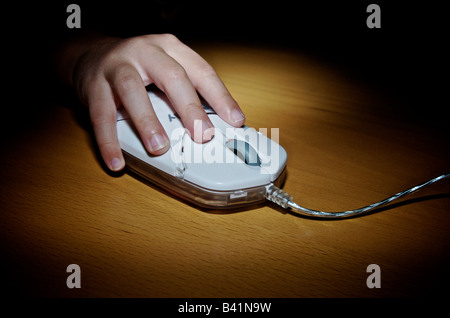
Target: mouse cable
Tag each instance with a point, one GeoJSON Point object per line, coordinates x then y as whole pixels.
{"type": "Point", "coordinates": [284, 200]}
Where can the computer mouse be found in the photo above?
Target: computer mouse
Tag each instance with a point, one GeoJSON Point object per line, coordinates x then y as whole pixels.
{"type": "Point", "coordinates": [233, 169]}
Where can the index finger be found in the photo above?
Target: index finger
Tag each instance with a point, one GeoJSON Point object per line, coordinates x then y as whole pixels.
{"type": "Point", "coordinates": [172, 79]}
{"type": "Point", "coordinates": [206, 81]}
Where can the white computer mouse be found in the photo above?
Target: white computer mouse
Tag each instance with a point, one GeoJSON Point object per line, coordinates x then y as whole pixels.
{"type": "Point", "coordinates": [233, 169]}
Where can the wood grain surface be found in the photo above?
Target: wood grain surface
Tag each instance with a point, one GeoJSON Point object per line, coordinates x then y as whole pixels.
{"type": "Point", "coordinates": [348, 145]}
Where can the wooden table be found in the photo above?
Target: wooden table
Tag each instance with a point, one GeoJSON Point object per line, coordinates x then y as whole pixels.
{"type": "Point", "coordinates": [346, 149]}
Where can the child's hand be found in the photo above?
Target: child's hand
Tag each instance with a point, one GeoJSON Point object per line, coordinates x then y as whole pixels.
{"type": "Point", "coordinates": [115, 72]}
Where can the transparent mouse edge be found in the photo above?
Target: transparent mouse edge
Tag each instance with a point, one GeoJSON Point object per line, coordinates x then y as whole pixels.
{"type": "Point", "coordinates": [206, 198]}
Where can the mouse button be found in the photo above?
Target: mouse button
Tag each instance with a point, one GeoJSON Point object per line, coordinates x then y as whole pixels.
{"type": "Point", "coordinates": [244, 151]}
{"type": "Point", "coordinates": [160, 100]}
{"type": "Point", "coordinates": [165, 113]}
{"type": "Point", "coordinates": [219, 123]}
{"type": "Point", "coordinates": [127, 134]}
{"type": "Point", "coordinates": [129, 140]}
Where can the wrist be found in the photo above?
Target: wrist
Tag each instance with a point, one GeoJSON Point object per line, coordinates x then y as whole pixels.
{"type": "Point", "coordinates": [71, 53]}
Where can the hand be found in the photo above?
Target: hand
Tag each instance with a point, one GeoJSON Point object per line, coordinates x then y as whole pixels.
{"type": "Point", "coordinates": [114, 72]}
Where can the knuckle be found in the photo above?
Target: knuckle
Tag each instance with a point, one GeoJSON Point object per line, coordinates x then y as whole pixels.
{"type": "Point", "coordinates": [107, 145]}
{"type": "Point", "coordinates": [101, 116]}
{"type": "Point", "coordinates": [192, 110]}
{"type": "Point", "coordinates": [168, 38]}
{"type": "Point", "coordinates": [192, 107]}
{"type": "Point", "coordinates": [126, 84]}
{"type": "Point", "coordinates": [206, 71]}
{"type": "Point", "coordinates": [176, 73]}
{"type": "Point", "coordinates": [158, 40]}
{"type": "Point", "coordinates": [125, 79]}
{"type": "Point", "coordinates": [136, 43]}
{"type": "Point", "coordinates": [103, 119]}
{"type": "Point", "coordinates": [145, 122]}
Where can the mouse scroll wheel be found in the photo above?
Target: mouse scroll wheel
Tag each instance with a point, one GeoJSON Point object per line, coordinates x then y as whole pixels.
{"type": "Point", "coordinates": [244, 151]}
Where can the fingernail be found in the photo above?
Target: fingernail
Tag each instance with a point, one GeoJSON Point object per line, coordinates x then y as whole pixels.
{"type": "Point", "coordinates": [203, 130]}
{"type": "Point", "coordinates": [116, 164]}
{"type": "Point", "coordinates": [208, 134]}
{"type": "Point", "coordinates": [237, 116]}
{"type": "Point", "coordinates": [157, 142]}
